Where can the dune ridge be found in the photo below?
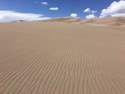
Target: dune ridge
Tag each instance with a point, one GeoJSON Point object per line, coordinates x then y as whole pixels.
{"type": "Point", "coordinates": [112, 21]}
{"type": "Point", "coordinates": [108, 21]}
{"type": "Point", "coordinates": [65, 19]}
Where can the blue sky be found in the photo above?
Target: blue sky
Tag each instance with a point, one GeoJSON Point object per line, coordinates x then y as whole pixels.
{"type": "Point", "coordinates": [63, 8]}
{"type": "Point", "coordinates": [66, 7]}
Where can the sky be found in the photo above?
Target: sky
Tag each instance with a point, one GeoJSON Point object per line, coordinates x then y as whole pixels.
{"type": "Point", "coordinates": [45, 9]}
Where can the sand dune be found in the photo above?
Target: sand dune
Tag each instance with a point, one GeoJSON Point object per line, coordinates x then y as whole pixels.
{"type": "Point", "coordinates": [61, 58]}
{"type": "Point", "coordinates": [112, 21]}
{"type": "Point", "coordinates": [109, 21]}
{"type": "Point", "coordinates": [66, 19]}
{"type": "Point", "coordinates": [19, 21]}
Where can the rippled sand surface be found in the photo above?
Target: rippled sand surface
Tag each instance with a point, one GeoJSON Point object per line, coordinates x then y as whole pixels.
{"type": "Point", "coordinates": [61, 58]}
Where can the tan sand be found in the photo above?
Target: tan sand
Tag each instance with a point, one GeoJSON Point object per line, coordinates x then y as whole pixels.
{"type": "Point", "coordinates": [110, 21]}
{"type": "Point", "coordinates": [66, 20]}
{"type": "Point", "coordinates": [61, 58]}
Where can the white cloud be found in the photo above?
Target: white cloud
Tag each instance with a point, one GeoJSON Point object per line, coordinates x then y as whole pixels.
{"type": "Point", "coordinates": [90, 16]}
{"type": "Point", "coordinates": [54, 8]}
{"type": "Point", "coordinates": [93, 11]}
{"type": "Point", "coordinates": [74, 15]}
{"type": "Point", "coordinates": [117, 8]}
{"type": "Point", "coordinates": [44, 3]}
{"type": "Point", "coordinates": [6, 16]}
{"type": "Point", "coordinates": [88, 10]}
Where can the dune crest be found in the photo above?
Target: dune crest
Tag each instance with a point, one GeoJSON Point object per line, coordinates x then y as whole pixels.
{"type": "Point", "coordinates": [110, 21]}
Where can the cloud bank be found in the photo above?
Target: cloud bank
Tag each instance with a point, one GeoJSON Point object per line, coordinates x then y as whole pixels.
{"type": "Point", "coordinates": [117, 8]}
{"type": "Point", "coordinates": [6, 16]}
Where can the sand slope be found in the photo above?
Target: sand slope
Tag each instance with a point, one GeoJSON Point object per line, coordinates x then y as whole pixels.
{"type": "Point", "coordinates": [61, 58]}
{"type": "Point", "coordinates": [112, 21]}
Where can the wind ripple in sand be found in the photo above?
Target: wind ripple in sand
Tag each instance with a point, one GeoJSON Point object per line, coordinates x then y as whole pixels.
{"type": "Point", "coordinates": [67, 71]}
{"type": "Point", "coordinates": [74, 66]}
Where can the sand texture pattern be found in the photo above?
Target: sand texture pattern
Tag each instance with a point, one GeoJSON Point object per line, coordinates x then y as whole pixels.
{"type": "Point", "coordinates": [61, 58]}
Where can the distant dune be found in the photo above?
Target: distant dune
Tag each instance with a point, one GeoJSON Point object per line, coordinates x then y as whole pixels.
{"type": "Point", "coordinates": [66, 19]}
{"type": "Point", "coordinates": [114, 21]}
{"type": "Point", "coordinates": [19, 21]}
{"type": "Point", "coordinates": [110, 21]}
{"type": "Point", "coordinates": [63, 56]}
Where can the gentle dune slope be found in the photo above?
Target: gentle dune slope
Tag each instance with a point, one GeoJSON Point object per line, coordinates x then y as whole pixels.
{"type": "Point", "coordinates": [61, 58]}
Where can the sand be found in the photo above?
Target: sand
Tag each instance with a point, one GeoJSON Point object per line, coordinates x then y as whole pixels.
{"type": "Point", "coordinates": [61, 58]}
{"type": "Point", "coordinates": [109, 21]}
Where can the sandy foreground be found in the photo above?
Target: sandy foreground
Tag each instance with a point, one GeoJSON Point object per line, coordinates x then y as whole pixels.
{"type": "Point", "coordinates": [61, 58]}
